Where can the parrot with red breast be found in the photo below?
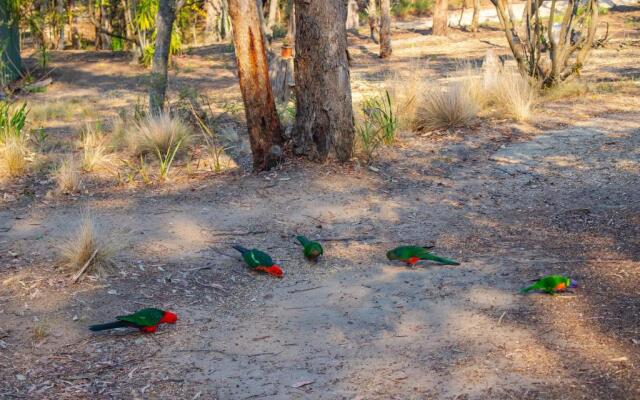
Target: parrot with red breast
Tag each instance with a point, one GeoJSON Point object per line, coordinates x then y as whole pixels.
{"type": "Point", "coordinates": [411, 255]}
{"type": "Point", "coordinates": [551, 284]}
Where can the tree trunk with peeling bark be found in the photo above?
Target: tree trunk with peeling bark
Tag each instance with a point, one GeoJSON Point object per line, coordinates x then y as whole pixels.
{"type": "Point", "coordinates": [324, 114]}
{"type": "Point", "coordinates": [441, 18]}
{"type": "Point", "coordinates": [385, 29]}
{"type": "Point", "coordinates": [263, 124]}
{"type": "Point", "coordinates": [273, 11]}
{"type": "Point", "coordinates": [164, 25]}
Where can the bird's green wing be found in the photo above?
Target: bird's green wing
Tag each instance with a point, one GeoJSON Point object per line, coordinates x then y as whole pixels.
{"type": "Point", "coordinates": [144, 317]}
{"type": "Point", "coordinates": [256, 258]}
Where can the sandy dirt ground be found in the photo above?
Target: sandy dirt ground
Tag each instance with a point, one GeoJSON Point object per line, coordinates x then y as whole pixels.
{"type": "Point", "coordinates": [510, 201]}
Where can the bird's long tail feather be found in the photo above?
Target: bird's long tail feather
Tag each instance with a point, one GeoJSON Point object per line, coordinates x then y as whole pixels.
{"type": "Point", "coordinates": [442, 260]}
{"type": "Point", "coordinates": [303, 240]}
{"type": "Point", "coordinates": [241, 249]}
{"type": "Point", "coordinates": [110, 325]}
{"type": "Point", "coordinates": [528, 289]}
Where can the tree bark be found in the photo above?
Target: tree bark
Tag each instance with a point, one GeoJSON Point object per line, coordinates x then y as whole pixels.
{"type": "Point", "coordinates": [10, 61]}
{"type": "Point", "coordinates": [273, 12]}
{"type": "Point", "coordinates": [73, 25]}
{"type": "Point", "coordinates": [385, 29]}
{"type": "Point", "coordinates": [61, 19]}
{"type": "Point", "coordinates": [372, 13]}
{"type": "Point", "coordinates": [158, 86]}
{"type": "Point", "coordinates": [475, 19]}
{"type": "Point", "coordinates": [291, 26]}
{"type": "Point", "coordinates": [324, 114]}
{"type": "Point", "coordinates": [263, 124]}
{"type": "Point", "coordinates": [353, 22]}
{"type": "Point", "coordinates": [440, 18]}
{"type": "Point", "coordinates": [105, 25]}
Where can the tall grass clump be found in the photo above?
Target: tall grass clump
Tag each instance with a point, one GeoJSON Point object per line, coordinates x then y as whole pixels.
{"type": "Point", "coordinates": [511, 93]}
{"type": "Point", "coordinates": [68, 177]}
{"type": "Point", "coordinates": [87, 245]}
{"type": "Point", "coordinates": [405, 90]}
{"type": "Point", "coordinates": [377, 125]}
{"type": "Point", "coordinates": [446, 107]}
{"type": "Point", "coordinates": [95, 151]}
{"type": "Point", "coordinates": [14, 142]}
{"type": "Point", "coordinates": [157, 134]}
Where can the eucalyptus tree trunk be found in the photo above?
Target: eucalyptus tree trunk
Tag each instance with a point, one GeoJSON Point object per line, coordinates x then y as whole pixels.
{"type": "Point", "coordinates": [324, 114]}
{"type": "Point", "coordinates": [353, 22]}
{"type": "Point", "coordinates": [475, 19]}
{"type": "Point", "coordinates": [440, 18]}
{"type": "Point", "coordinates": [263, 124]}
{"type": "Point", "coordinates": [10, 61]}
{"type": "Point", "coordinates": [105, 25]}
{"type": "Point", "coordinates": [372, 13]}
{"type": "Point", "coordinates": [385, 29]}
{"type": "Point", "coordinates": [61, 19]}
{"type": "Point", "coordinates": [73, 24]}
{"type": "Point", "coordinates": [158, 85]}
{"type": "Point", "coordinates": [273, 11]}
{"type": "Point", "coordinates": [291, 26]}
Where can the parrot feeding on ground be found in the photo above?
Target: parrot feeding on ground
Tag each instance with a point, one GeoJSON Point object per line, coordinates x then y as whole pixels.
{"type": "Point", "coordinates": [311, 250]}
{"type": "Point", "coordinates": [147, 320]}
{"type": "Point", "coordinates": [259, 261]}
{"type": "Point", "coordinates": [413, 254]}
{"type": "Point", "coordinates": [551, 284]}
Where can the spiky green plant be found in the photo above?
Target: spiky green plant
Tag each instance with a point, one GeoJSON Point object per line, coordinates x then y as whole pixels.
{"type": "Point", "coordinates": [380, 111]}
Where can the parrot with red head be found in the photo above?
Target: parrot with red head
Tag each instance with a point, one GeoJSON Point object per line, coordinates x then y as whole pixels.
{"type": "Point", "coordinates": [146, 320]}
{"type": "Point", "coordinates": [260, 261]}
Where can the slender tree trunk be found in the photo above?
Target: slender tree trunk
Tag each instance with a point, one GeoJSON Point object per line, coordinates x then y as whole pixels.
{"type": "Point", "coordinates": [475, 20]}
{"type": "Point", "coordinates": [372, 12]}
{"type": "Point", "coordinates": [273, 11]}
{"type": "Point", "coordinates": [164, 25]}
{"type": "Point", "coordinates": [353, 22]}
{"type": "Point", "coordinates": [73, 25]}
{"type": "Point", "coordinates": [324, 114]}
{"type": "Point", "coordinates": [106, 25]}
{"type": "Point", "coordinates": [441, 18]}
{"type": "Point", "coordinates": [61, 19]}
{"type": "Point", "coordinates": [291, 26]}
{"type": "Point", "coordinates": [385, 29]}
{"type": "Point", "coordinates": [265, 132]}
{"type": "Point", "coordinates": [10, 61]}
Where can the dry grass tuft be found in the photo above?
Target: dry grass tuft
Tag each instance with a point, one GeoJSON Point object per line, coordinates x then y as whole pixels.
{"type": "Point", "coordinates": [406, 90]}
{"type": "Point", "coordinates": [567, 89]}
{"type": "Point", "coordinates": [78, 248]}
{"type": "Point", "coordinates": [511, 93]}
{"type": "Point", "coordinates": [157, 133]}
{"type": "Point", "coordinates": [67, 110]}
{"type": "Point", "coordinates": [96, 155]}
{"type": "Point", "coordinates": [68, 177]}
{"type": "Point", "coordinates": [39, 332]}
{"type": "Point", "coordinates": [14, 156]}
{"type": "Point", "coordinates": [449, 107]}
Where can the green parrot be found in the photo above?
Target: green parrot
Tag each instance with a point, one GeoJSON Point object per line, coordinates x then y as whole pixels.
{"type": "Point", "coordinates": [147, 320]}
{"type": "Point", "coordinates": [311, 250]}
{"type": "Point", "coordinates": [413, 254]}
{"type": "Point", "coordinates": [259, 261]}
{"type": "Point", "coordinates": [551, 284]}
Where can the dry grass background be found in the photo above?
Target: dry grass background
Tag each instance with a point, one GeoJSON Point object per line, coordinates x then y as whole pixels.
{"type": "Point", "coordinates": [80, 246]}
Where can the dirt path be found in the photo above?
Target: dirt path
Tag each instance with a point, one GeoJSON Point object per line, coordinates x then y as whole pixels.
{"type": "Point", "coordinates": [510, 201]}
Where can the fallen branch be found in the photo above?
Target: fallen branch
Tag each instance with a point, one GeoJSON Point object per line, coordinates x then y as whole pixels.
{"type": "Point", "coordinates": [84, 267]}
{"type": "Point", "coordinates": [305, 290]}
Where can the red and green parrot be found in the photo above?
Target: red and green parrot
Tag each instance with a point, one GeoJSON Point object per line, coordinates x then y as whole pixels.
{"type": "Point", "coordinates": [311, 250]}
{"type": "Point", "coordinates": [551, 284]}
{"type": "Point", "coordinates": [259, 261]}
{"type": "Point", "coordinates": [147, 320]}
{"type": "Point", "coordinates": [414, 254]}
